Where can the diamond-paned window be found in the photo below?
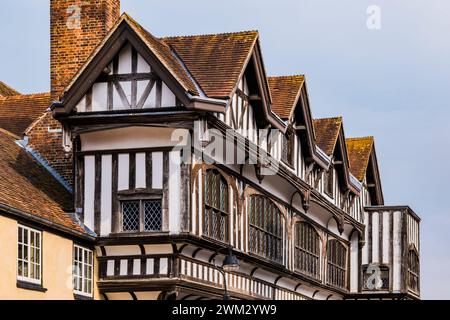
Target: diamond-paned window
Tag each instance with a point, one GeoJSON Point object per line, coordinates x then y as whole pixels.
{"type": "Point", "coordinates": [130, 216]}
{"type": "Point", "coordinates": [152, 215]}
{"type": "Point", "coordinates": [141, 215]}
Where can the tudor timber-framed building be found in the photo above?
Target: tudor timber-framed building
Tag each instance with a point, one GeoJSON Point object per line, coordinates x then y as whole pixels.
{"type": "Point", "coordinates": [132, 135]}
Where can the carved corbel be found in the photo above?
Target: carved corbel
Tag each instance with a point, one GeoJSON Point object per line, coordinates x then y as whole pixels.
{"type": "Point", "coordinates": [341, 224]}
{"type": "Point", "coordinates": [306, 199]}
{"type": "Point", "coordinates": [258, 173]}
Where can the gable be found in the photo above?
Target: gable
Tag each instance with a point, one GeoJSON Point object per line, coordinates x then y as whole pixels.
{"type": "Point", "coordinates": [364, 165]}
{"type": "Point", "coordinates": [285, 92]}
{"type": "Point", "coordinates": [327, 133]}
{"type": "Point", "coordinates": [128, 82]}
{"type": "Point", "coordinates": [164, 64]}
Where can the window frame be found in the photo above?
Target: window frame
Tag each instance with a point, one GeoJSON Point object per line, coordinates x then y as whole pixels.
{"type": "Point", "coordinates": [288, 150]}
{"type": "Point", "coordinates": [274, 256]}
{"type": "Point", "coordinates": [212, 208]}
{"type": "Point", "coordinates": [334, 264]}
{"type": "Point", "coordinates": [413, 273]}
{"type": "Point", "coordinates": [83, 270]}
{"type": "Point", "coordinates": [141, 199]}
{"type": "Point", "coordinates": [307, 249]}
{"type": "Point", "coordinates": [328, 182]}
{"type": "Point", "coordinates": [28, 279]}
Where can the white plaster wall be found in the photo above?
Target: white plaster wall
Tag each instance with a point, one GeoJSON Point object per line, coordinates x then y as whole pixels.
{"type": "Point", "coordinates": [89, 191]}
{"type": "Point", "coordinates": [124, 172]}
{"type": "Point", "coordinates": [397, 251]}
{"type": "Point", "coordinates": [140, 171]}
{"type": "Point", "coordinates": [174, 192]}
{"type": "Point", "coordinates": [375, 237]}
{"type": "Point", "coordinates": [128, 138]}
{"type": "Point", "coordinates": [106, 195]}
{"type": "Point", "coordinates": [386, 237]}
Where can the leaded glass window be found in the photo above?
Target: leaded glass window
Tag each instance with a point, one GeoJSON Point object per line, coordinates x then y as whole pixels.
{"type": "Point", "coordinates": [337, 264]}
{"type": "Point", "coordinates": [413, 271]}
{"type": "Point", "coordinates": [307, 250]}
{"type": "Point", "coordinates": [266, 228]}
{"type": "Point", "coordinates": [216, 217]}
{"type": "Point", "coordinates": [141, 215]}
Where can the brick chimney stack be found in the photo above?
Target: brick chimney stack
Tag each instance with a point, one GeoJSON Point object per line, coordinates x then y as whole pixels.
{"type": "Point", "coordinates": [76, 28]}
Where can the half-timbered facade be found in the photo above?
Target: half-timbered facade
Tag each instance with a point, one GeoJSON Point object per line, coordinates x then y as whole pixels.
{"type": "Point", "coordinates": [182, 147]}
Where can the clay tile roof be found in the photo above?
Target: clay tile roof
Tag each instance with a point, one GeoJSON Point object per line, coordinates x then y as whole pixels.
{"type": "Point", "coordinates": [27, 186]}
{"type": "Point", "coordinates": [19, 111]}
{"type": "Point", "coordinates": [6, 90]}
{"type": "Point", "coordinates": [215, 61]}
{"type": "Point", "coordinates": [359, 150]}
{"type": "Point", "coordinates": [327, 133]}
{"type": "Point", "coordinates": [165, 54]}
{"type": "Point", "coordinates": [285, 91]}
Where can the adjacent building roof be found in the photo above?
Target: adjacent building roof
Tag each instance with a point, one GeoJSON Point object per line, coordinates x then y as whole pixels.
{"type": "Point", "coordinates": [327, 132]}
{"type": "Point", "coordinates": [28, 187]}
{"type": "Point", "coordinates": [285, 91]}
{"type": "Point", "coordinates": [216, 61]}
{"type": "Point", "coordinates": [359, 150]}
{"type": "Point", "coordinates": [6, 91]}
{"type": "Point", "coordinates": [19, 111]}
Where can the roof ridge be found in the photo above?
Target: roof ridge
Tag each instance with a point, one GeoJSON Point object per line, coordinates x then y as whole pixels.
{"type": "Point", "coordinates": [211, 34]}
{"type": "Point", "coordinates": [27, 95]}
{"type": "Point", "coordinates": [361, 138]}
{"type": "Point", "coordinates": [285, 77]}
{"type": "Point", "coordinates": [330, 118]}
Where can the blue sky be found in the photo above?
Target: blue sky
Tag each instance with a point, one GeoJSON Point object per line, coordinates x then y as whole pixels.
{"type": "Point", "coordinates": [393, 83]}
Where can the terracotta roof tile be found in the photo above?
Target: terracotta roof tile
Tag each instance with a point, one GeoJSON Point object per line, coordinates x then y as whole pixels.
{"type": "Point", "coordinates": [6, 90]}
{"type": "Point", "coordinates": [18, 112]}
{"type": "Point", "coordinates": [26, 186]}
{"type": "Point", "coordinates": [215, 61]}
{"type": "Point", "coordinates": [285, 91]}
{"type": "Point", "coordinates": [359, 150]}
{"type": "Point", "coordinates": [327, 132]}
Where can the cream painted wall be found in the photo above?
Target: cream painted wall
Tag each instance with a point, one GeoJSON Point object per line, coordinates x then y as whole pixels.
{"type": "Point", "coordinates": [57, 253]}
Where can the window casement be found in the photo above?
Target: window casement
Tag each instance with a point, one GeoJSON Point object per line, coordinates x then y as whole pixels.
{"type": "Point", "coordinates": [266, 228]}
{"type": "Point", "coordinates": [287, 155]}
{"type": "Point", "coordinates": [328, 182]}
{"type": "Point", "coordinates": [141, 215]}
{"type": "Point", "coordinates": [307, 250]}
{"type": "Point", "coordinates": [337, 264]}
{"type": "Point", "coordinates": [83, 270]}
{"type": "Point", "coordinates": [216, 215]}
{"type": "Point", "coordinates": [29, 268]}
{"type": "Point", "coordinates": [413, 271]}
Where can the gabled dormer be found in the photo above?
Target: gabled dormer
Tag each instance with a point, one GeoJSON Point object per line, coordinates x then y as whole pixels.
{"type": "Point", "coordinates": [364, 166]}
{"type": "Point", "coordinates": [132, 70]}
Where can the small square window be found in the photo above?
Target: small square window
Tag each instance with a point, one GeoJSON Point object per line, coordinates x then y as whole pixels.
{"type": "Point", "coordinates": [141, 215]}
